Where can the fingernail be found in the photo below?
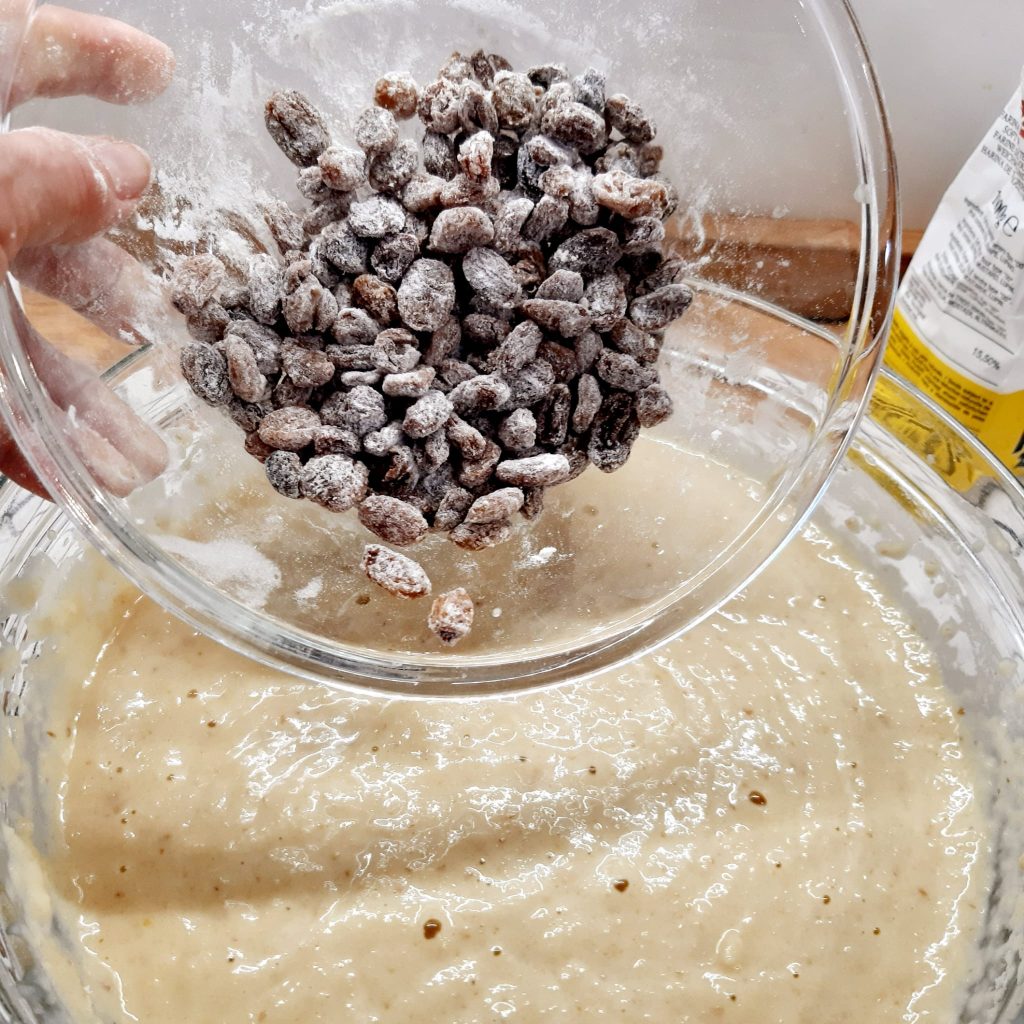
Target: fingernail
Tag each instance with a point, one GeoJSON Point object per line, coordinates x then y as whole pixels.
{"type": "Point", "coordinates": [126, 166]}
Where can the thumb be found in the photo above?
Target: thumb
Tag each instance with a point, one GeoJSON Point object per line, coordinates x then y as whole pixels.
{"type": "Point", "coordinates": [120, 449]}
{"type": "Point", "coordinates": [59, 188]}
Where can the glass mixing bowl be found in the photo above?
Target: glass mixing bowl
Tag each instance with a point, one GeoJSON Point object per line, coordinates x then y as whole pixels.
{"type": "Point", "coordinates": [927, 511]}
{"type": "Point", "coordinates": [775, 135]}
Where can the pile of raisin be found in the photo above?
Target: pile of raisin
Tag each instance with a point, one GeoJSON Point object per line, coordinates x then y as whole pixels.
{"type": "Point", "coordinates": [450, 326]}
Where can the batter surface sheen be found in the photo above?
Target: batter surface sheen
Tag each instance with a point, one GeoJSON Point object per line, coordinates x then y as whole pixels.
{"type": "Point", "coordinates": [771, 820]}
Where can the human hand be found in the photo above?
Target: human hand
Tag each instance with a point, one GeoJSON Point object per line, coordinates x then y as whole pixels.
{"type": "Point", "coordinates": [57, 192]}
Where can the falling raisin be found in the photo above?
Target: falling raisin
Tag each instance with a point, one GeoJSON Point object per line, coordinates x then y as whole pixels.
{"type": "Point", "coordinates": [450, 620]}
{"type": "Point", "coordinates": [403, 577]}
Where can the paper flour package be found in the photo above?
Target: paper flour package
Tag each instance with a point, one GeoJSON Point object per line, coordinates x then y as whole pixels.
{"type": "Point", "coordinates": [958, 332]}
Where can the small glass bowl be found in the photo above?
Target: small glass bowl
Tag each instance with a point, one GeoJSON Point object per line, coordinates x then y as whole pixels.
{"type": "Point", "coordinates": [775, 135]}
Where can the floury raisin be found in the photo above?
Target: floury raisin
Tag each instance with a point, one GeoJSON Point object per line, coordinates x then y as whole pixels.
{"type": "Point", "coordinates": [206, 372]}
{"type": "Point", "coordinates": [477, 537]}
{"type": "Point", "coordinates": [298, 128]}
{"type": "Point", "coordinates": [426, 295]}
{"type": "Point", "coordinates": [376, 217]}
{"type": "Point", "coordinates": [451, 616]}
{"type": "Point", "coordinates": [285, 225]}
{"type": "Point", "coordinates": [397, 574]}
{"type": "Point", "coordinates": [629, 196]}
{"type": "Point", "coordinates": [460, 229]}
{"type": "Point", "coordinates": [660, 307]}
{"type": "Point", "coordinates": [477, 109]}
{"type": "Point", "coordinates": [439, 107]}
{"type": "Point", "coordinates": [439, 155]}
{"type": "Point", "coordinates": [614, 430]}
{"type": "Point", "coordinates": [422, 192]}
{"type": "Point", "coordinates": [574, 124]}
{"type": "Point", "coordinates": [475, 155]}
{"type": "Point", "coordinates": [427, 414]}
{"type": "Point", "coordinates": [514, 100]}
{"type": "Point", "coordinates": [534, 471]}
{"type": "Point", "coordinates": [289, 429]}
{"type": "Point", "coordinates": [334, 481]}
{"type": "Point", "coordinates": [569, 319]}
{"type": "Point", "coordinates": [284, 471]}
{"type": "Point", "coordinates": [452, 509]}
{"type": "Point", "coordinates": [518, 431]}
{"type": "Point", "coordinates": [397, 91]}
{"type": "Point", "coordinates": [588, 402]}
{"type": "Point", "coordinates": [247, 382]}
{"type": "Point", "coordinates": [342, 168]}
{"type": "Point", "coordinates": [629, 119]}
{"type": "Point", "coordinates": [376, 131]}
{"type": "Point", "coordinates": [653, 406]}
{"type": "Point", "coordinates": [197, 281]}
{"type": "Point", "coordinates": [393, 255]}
{"type": "Point", "coordinates": [566, 285]}
{"type": "Point", "coordinates": [305, 366]}
{"type": "Point", "coordinates": [588, 89]}
{"type": "Point", "coordinates": [393, 170]}
{"type": "Point", "coordinates": [393, 520]}
{"type": "Point", "coordinates": [590, 252]}
{"type": "Point", "coordinates": [491, 277]}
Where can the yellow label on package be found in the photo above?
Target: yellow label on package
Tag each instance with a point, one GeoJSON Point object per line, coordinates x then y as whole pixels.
{"type": "Point", "coordinates": [958, 332]}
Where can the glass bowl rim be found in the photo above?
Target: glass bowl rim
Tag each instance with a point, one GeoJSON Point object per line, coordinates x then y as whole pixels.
{"type": "Point", "coordinates": [293, 650]}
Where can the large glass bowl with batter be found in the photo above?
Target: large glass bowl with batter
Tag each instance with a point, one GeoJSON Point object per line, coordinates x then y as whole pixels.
{"type": "Point", "coordinates": [776, 137]}
{"type": "Point", "coordinates": [917, 502]}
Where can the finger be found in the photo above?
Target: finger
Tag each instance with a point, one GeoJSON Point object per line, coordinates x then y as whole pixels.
{"type": "Point", "coordinates": [57, 188]}
{"type": "Point", "coordinates": [118, 448]}
{"type": "Point", "coordinates": [105, 463]}
{"type": "Point", "coordinates": [67, 53]}
{"type": "Point", "coordinates": [111, 425]}
{"type": "Point", "coordinates": [14, 466]}
{"type": "Point", "coordinates": [108, 466]}
{"type": "Point", "coordinates": [103, 283]}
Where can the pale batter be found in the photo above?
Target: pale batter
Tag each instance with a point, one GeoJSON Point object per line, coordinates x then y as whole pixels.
{"type": "Point", "coordinates": [772, 820]}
